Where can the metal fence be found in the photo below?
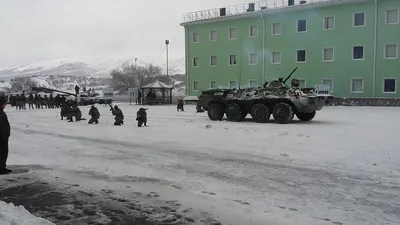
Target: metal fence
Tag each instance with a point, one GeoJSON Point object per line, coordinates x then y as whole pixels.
{"type": "Point", "coordinates": [234, 10]}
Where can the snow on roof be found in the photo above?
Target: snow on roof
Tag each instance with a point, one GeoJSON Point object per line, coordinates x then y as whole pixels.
{"type": "Point", "coordinates": [157, 84]}
{"type": "Point", "coordinates": [191, 98]}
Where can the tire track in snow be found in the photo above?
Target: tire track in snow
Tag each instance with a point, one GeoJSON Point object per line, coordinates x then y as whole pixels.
{"type": "Point", "coordinates": [357, 195]}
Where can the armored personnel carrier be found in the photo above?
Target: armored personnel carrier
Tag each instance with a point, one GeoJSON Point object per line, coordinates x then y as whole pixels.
{"type": "Point", "coordinates": [274, 98]}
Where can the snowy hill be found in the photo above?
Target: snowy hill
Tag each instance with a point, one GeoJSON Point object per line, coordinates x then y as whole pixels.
{"type": "Point", "coordinates": [65, 66]}
{"type": "Point", "coordinates": [68, 82]}
{"type": "Point", "coordinates": [61, 82]}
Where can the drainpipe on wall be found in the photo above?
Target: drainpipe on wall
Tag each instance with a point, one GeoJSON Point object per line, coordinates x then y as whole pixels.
{"type": "Point", "coordinates": [187, 61]}
{"type": "Point", "coordinates": [263, 51]}
{"type": "Point", "coordinates": [375, 47]}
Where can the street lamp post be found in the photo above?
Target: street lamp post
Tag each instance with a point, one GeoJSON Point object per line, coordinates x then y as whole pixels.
{"type": "Point", "coordinates": [167, 43]}
{"type": "Point", "coordinates": [136, 97]}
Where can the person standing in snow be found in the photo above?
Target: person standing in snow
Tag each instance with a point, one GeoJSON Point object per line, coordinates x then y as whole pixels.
{"type": "Point", "coordinates": [141, 117]}
{"type": "Point", "coordinates": [30, 101]}
{"type": "Point", "coordinates": [4, 136]}
{"type": "Point", "coordinates": [95, 115]}
{"type": "Point", "coordinates": [180, 105]}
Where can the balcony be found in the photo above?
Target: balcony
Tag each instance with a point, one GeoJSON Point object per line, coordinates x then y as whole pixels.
{"type": "Point", "coordinates": [242, 9]}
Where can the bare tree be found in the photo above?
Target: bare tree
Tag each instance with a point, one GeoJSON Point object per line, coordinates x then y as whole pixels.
{"type": "Point", "coordinates": [132, 76]}
{"type": "Point", "coordinates": [22, 83]}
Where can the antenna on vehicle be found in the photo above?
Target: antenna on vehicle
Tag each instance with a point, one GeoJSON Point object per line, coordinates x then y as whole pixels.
{"type": "Point", "coordinates": [241, 61]}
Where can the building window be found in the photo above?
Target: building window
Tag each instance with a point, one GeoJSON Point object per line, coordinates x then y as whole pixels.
{"type": "Point", "coordinates": [359, 19]}
{"type": "Point", "coordinates": [392, 16]}
{"type": "Point", "coordinates": [328, 82]}
{"type": "Point", "coordinates": [232, 84]}
{"type": "Point", "coordinates": [196, 62]}
{"type": "Point", "coordinates": [329, 23]}
{"type": "Point", "coordinates": [253, 59]}
{"type": "Point", "coordinates": [213, 35]}
{"type": "Point", "coordinates": [213, 84]}
{"type": "Point", "coordinates": [195, 37]}
{"type": "Point", "coordinates": [213, 61]}
{"type": "Point", "coordinates": [389, 85]}
{"type": "Point", "coordinates": [301, 56]}
{"type": "Point", "coordinates": [276, 57]}
{"type": "Point", "coordinates": [253, 31]}
{"type": "Point", "coordinates": [301, 25]}
{"type": "Point", "coordinates": [276, 29]}
{"type": "Point", "coordinates": [253, 83]}
{"type": "Point", "coordinates": [195, 86]}
{"type": "Point", "coordinates": [357, 85]}
{"type": "Point", "coordinates": [302, 83]}
{"type": "Point", "coordinates": [328, 54]}
{"type": "Point", "coordinates": [232, 60]}
{"type": "Point", "coordinates": [391, 51]}
{"type": "Point", "coordinates": [358, 52]}
{"type": "Point", "coordinates": [232, 33]}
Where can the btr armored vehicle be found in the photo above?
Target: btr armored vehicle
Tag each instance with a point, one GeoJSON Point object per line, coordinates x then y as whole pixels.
{"type": "Point", "coordinates": [274, 98]}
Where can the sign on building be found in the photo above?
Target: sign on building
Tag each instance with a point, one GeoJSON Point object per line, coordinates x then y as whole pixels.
{"type": "Point", "coordinates": [323, 89]}
{"type": "Point", "coordinates": [133, 93]}
{"type": "Point", "coordinates": [108, 93]}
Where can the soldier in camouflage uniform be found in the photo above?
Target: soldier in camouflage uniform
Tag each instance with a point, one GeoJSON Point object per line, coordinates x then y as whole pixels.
{"type": "Point", "coordinates": [199, 109]}
{"type": "Point", "coordinates": [180, 105]}
{"type": "Point", "coordinates": [4, 136]}
{"type": "Point", "coordinates": [75, 112]}
{"type": "Point", "coordinates": [95, 115]}
{"type": "Point", "coordinates": [30, 101]}
{"type": "Point", "coordinates": [51, 102]}
{"type": "Point", "coordinates": [37, 101]}
{"type": "Point", "coordinates": [23, 101]}
{"type": "Point", "coordinates": [141, 117]}
{"type": "Point", "coordinates": [18, 101]}
{"type": "Point", "coordinates": [45, 102]}
{"type": "Point", "coordinates": [119, 116]}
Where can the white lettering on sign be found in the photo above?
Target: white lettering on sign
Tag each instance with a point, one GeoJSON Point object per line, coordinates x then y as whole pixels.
{"type": "Point", "coordinates": [322, 89]}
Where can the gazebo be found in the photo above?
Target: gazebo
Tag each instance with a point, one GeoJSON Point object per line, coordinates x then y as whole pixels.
{"type": "Point", "coordinates": [156, 93]}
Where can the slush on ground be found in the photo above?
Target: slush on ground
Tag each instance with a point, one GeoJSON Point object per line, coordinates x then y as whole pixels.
{"type": "Point", "coordinates": [341, 168]}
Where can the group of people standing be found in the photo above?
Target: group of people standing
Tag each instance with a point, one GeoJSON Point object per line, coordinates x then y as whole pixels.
{"type": "Point", "coordinates": [36, 101]}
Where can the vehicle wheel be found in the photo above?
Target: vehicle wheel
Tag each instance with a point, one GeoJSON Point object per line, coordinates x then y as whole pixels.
{"type": "Point", "coordinates": [283, 113]}
{"type": "Point", "coordinates": [260, 113]}
{"type": "Point", "coordinates": [233, 112]}
{"type": "Point", "coordinates": [215, 111]}
{"type": "Point", "coordinates": [306, 116]}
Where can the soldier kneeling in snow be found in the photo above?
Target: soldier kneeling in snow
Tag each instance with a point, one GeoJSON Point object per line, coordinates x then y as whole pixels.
{"type": "Point", "coordinates": [95, 115]}
{"type": "Point", "coordinates": [141, 117]}
{"type": "Point", "coordinates": [119, 116]}
{"type": "Point", "coordinates": [180, 105]}
{"type": "Point", "coordinates": [199, 109]}
{"type": "Point", "coordinates": [75, 112]}
{"type": "Point", "coordinates": [64, 110]}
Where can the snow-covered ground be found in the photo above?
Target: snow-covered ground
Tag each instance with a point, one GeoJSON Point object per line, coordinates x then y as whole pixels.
{"type": "Point", "coordinates": [18, 215]}
{"type": "Point", "coordinates": [341, 168]}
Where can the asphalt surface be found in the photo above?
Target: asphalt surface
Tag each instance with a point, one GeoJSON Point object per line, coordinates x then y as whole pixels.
{"type": "Point", "coordinates": [67, 204]}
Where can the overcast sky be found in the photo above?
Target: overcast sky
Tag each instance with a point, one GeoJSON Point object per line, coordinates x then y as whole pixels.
{"type": "Point", "coordinates": [35, 30]}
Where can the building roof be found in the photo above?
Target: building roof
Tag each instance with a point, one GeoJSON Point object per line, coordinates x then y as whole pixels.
{"type": "Point", "coordinates": [266, 6]}
{"type": "Point", "coordinates": [157, 84]}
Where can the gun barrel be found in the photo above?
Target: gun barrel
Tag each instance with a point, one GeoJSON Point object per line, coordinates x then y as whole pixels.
{"type": "Point", "coordinates": [287, 78]}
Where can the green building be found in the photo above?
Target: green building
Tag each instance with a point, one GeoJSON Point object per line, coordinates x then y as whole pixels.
{"type": "Point", "coordinates": [350, 45]}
